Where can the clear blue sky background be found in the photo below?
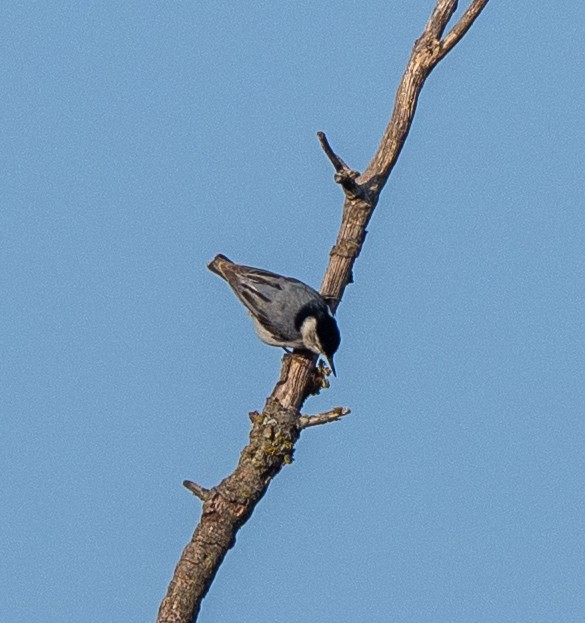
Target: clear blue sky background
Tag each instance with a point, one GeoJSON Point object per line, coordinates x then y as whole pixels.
{"type": "Point", "coordinates": [139, 139]}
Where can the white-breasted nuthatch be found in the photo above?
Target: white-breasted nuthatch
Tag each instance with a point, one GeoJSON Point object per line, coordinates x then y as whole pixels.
{"type": "Point", "coordinates": [286, 312]}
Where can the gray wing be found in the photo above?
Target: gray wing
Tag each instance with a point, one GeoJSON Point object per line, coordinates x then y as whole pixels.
{"type": "Point", "coordinates": [272, 299]}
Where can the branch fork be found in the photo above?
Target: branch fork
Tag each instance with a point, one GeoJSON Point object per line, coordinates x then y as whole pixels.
{"type": "Point", "coordinates": [344, 175]}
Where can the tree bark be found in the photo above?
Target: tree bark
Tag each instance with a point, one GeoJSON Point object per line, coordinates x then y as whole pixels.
{"type": "Point", "coordinates": [275, 430]}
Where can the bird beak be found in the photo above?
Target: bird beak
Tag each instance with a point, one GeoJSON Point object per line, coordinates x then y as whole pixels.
{"type": "Point", "coordinates": [331, 365]}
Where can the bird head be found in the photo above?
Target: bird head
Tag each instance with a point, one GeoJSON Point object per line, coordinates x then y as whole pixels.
{"type": "Point", "coordinates": [320, 332]}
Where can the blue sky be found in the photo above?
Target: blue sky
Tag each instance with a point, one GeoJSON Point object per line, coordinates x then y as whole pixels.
{"type": "Point", "coordinates": [141, 138]}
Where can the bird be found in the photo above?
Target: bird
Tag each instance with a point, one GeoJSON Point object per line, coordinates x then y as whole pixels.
{"type": "Point", "coordinates": [286, 312]}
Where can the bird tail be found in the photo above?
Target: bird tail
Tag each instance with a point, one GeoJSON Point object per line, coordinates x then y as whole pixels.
{"type": "Point", "coordinates": [218, 264]}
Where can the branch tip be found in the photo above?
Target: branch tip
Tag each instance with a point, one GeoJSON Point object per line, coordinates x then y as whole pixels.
{"type": "Point", "coordinates": [305, 421]}
{"type": "Point", "coordinates": [197, 490]}
{"type": "Point", "coordinates": [462, 26]}
{"type": "Point", "coordinates": [338, 164]}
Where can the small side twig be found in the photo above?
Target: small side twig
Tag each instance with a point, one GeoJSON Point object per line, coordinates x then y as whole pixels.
{"type": "Point", "coordinates": [305, 421]}
{"type": "Point", "coordinates": [338, 164]}
{"type": "Point", "coordinates": [345, 176]}
{"type": "Point", "coordinates": [197, 490]}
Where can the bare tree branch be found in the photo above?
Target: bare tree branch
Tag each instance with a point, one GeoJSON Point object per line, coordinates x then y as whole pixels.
{"type": "Point", "coordinates": [305, 421]}
{"type": "Point", "coordinates": [276, 429]}
{"type": "Point", "coordinates": [428, 50]}
{"type": "Point", "coordinates": [439, 19]}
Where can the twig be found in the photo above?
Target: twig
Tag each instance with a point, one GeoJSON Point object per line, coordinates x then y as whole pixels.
{"type": "Point", "coordinates": [305, 421]}
{"type": "Point", "coordinates": [197, 490]}
{"type": "Point", "coordinates": [461, 27]}
{"type": "Point", "coordinates": [338, 164]}
{"type": "Point", "coordinates": [344, 175]}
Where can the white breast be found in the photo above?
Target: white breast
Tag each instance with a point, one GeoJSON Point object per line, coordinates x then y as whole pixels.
{"type": "Point", "coordinates": [270, 339]}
